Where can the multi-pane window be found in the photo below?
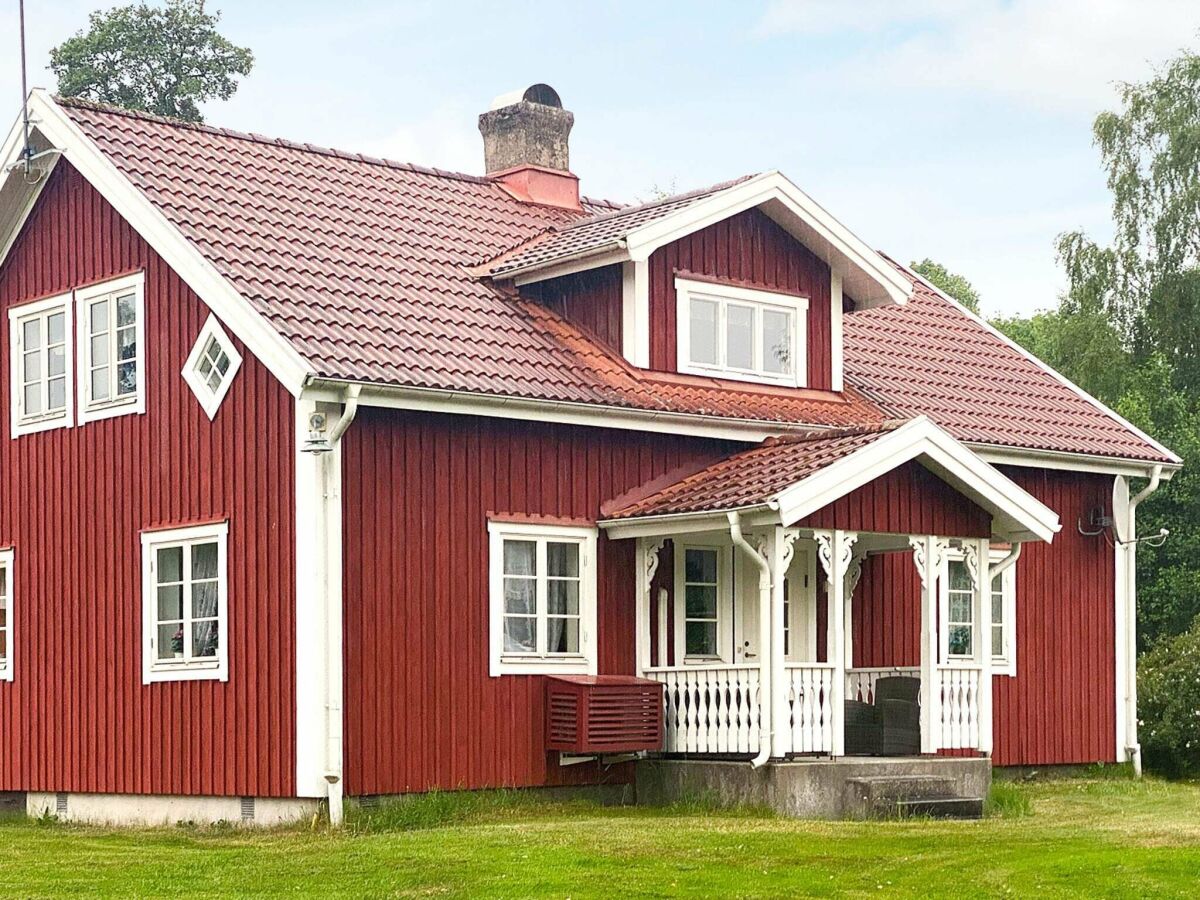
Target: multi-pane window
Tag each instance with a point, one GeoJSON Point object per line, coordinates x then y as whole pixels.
{"type": "Point", "coordinates": [40, 340]}
{"type": "Point", "coordinates": [741, 333]}
{"type": "Point", "coordinates": [110, 330]}
{"type": "Point", "coordinates": [211, 366]}
{"type": "Point", "coordinates": [6, 615]}
{"type": "Point", "coordinates": [543, 598]}
{"type": "Point", "coordinates": [958, 612]}
{"type": "Point", "coordinates": [185, 603]}
{"type": "Point", "coordinates": [701, 598]}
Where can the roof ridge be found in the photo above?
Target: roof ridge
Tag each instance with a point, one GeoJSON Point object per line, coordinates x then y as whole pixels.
{"type": "Point", "coordinates": [108, 108]}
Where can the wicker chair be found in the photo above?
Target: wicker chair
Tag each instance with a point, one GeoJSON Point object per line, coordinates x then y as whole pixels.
{"type": "Point", "coordinates": [891, 726]}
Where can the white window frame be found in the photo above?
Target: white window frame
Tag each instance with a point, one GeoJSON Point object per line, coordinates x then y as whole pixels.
{"type": "Point", "coordinates": [153, 668]}
{"type": "Point", "coordinates": [6, 661]}
{"type": "Point", "coordinates": [131, 404]}
{"type": "Point", "coordinates": [585, 662]}
{"type": "Point", "coordinates": [17, 316]}
{"type": "Point", "coordinates": [725, 641]}
{"type": "Point", "coordinates": [211, 400]}
{"type": "Point", "coordinates": [1003, 664]}
{"type": "Point", "coordinates": [724, 295]}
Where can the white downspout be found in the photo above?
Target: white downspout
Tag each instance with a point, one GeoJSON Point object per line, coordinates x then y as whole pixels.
{"type": "Point", "coordinates": [333, 619]}
{"type": "Point", "coordinates": [1007, 563]}
{"type": "Point", "coordinates": [766, 704]}
{"type": "Point", "coordinates": [1133, 746]}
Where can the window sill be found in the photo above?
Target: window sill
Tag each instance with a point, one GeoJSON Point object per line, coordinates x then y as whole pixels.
{"type": "Point", "coordinates": [47, 423]}
{"type": "Point", "coordinates": [543, 665]}
{"type": "Point", "coordinates": [129, 406]}
{"type": "Point", "coordinates": [781, 381]}
{"type": "Point", "coordinates": [6, 674]}
{"type": "Point", "coordinates": [215, 671]}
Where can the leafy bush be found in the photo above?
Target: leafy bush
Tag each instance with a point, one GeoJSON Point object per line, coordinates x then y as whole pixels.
{"type": "Point", "coordinates": [1169, 704]}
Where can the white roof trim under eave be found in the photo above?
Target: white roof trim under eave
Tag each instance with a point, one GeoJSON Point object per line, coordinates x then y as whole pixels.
{"type": "Point", "coordinates": [860, 265]}
{"type": "Point", "coordinates": [250, 327]}
{"type": "Point", "coordinates": [1054, 373]}
{"type": "Point", "coordinates": [1016, 514]}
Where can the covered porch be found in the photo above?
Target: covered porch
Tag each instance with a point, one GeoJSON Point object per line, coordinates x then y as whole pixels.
{"type": "Point", "coordinates": [748, 574]}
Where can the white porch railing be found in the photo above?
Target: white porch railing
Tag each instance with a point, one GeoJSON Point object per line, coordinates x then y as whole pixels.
{"type": "Point", "coordinates": [860, 683]}
{"type": "Point", "coordinates": [807, 689]}
{"type": "Point", "coordinates": [958, 690]}
{"type": "Point", "coordinates": [710, 709]}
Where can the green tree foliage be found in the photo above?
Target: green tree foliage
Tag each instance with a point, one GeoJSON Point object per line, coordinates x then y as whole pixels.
{"type": "Point", "coordinates": [164, 60]}
{"type": "Point", "coordinates": [948, 283]}
{"type": "Point", "coordinates": [1149, 278]}
{"type": "Point", "coordinates": [1169, 704]}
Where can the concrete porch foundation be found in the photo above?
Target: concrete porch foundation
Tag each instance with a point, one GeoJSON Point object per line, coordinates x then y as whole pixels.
{"type": "Point", "coordinates": [805, 789]}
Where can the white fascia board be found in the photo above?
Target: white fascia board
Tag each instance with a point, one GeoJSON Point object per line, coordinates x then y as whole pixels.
{"type": "Point", "coordinates": [1058, 376]}
{"type": "Point", "coordinates": [557, 412]}
{"type": "Point", "coordinates": [275, 352]}
{"type": "Point", "coordinates": [848, 251]}
{"type": "Point", "coordinates": [22, 197]}
{"type": "Point", "coordinates": [708, 521]}
{"type": "Point", "coordinates": [998, 455]}
{"type": "Point", "coordinates": [1021, 516]}
{"type": "Point", "coordinates": [585, 262]}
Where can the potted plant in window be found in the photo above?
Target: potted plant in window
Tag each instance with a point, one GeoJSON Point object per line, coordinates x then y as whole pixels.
{"type": "Point", "coordinates": [177, 644]}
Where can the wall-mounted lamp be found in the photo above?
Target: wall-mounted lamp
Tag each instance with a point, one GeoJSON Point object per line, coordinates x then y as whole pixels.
{"type": "Point", "coordinates": [317, 442]}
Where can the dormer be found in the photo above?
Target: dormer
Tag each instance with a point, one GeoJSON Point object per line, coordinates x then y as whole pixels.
{"type": "Point", "coordinates": [745, 282]}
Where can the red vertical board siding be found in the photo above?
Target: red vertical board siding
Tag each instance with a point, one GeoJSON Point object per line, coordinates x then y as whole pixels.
{"type": "Point", "coordinates": [1059, 708]}
{"type": "Point", "coordinates": [590, 300]}
{"type": "Point", "coordinates": [907, 500]}
{"type": "Point", "coordinates": [76, 716]}
{"type": "Point", "coordinates": [752, 249]}
{"type": "Point", "coordinates": [422, 712]}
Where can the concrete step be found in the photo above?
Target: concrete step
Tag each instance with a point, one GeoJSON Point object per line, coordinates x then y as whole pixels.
{"type": "Point", "coordinates": [941, 807]}
{"type": "Point", "coordinates": [874, 788]}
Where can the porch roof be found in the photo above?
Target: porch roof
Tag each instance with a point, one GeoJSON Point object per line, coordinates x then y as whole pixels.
{"type": "Point", "coordinates": [785, 479]}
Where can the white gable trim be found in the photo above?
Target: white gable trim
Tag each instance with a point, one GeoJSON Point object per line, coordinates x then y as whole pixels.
{"type": "Point", "coordinates": [254, 331]}
{"type": "Point", "coordinates": [1017, 514]}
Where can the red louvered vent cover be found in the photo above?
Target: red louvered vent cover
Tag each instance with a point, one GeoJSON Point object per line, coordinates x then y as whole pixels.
{"type": "Point", "coordinates": [603, 714]}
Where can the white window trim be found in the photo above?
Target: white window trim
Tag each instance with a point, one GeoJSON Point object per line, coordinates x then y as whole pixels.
{"type": "Point", "coordinates": [130, 405]}
{"type": "Point", "coordinates": [20, 425]}
{"type": "Point", "coordinates": [154, 669]}
{"type": "Point", "coordinates": [725, 648]}
{"type": "Point", "coordinates": [209, 401]}
{"type": "Point", "coordinates": [586, 661]}
{"type": "Point", "coordinates": [687, 290]}
{"type": "Point", "coordinates": [1001, 665]}
{"type": "Point", "coordinates": [6, 664]}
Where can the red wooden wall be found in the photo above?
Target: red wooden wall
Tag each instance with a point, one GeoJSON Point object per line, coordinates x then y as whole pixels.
{"type": "Point", "coordinates": [907, 500]}
{"type": "Point", "coordinates": [751, 249]}
{"type": "Point", "coordinates": [77, 716]}
{"type": "Point", "coordinates": [1060, 706]}
{"type": "Point", "coordinates": [590, 300]}
{"type": "Point", "coordinates": [422, 711]}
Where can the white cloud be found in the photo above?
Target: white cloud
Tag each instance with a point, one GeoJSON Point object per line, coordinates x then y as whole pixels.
{"type": "Point", "coordinates": [1063, 54]}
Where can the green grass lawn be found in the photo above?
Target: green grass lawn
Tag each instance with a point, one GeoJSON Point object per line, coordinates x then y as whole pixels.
{"type": "Point", "coordinates": [1110, 838]}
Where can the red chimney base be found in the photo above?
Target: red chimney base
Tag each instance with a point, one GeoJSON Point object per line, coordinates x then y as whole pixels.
{"type": "Point", "coordinates": [536, 184]}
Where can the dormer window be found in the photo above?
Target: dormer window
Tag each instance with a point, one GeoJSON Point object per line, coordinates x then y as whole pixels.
{"type": "Point", "coordinates": [729, 331]}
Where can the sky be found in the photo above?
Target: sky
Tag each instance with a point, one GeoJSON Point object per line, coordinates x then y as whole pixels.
{"type": "Point", "coordinates": [953, 129]}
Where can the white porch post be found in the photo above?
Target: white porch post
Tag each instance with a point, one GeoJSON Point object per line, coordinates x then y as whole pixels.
{"type": "Point", "coordinates": [781, 561]}
{"type": "Point", "coordinates": [982, 616]}
{"type": "Point", "coordinates": [647, 565]}
{"type": "Point", "coordinates": [928, 552]}
{"type": "Point", "coordinates": [853, 574]}
{"type": "Point", "coordinates": [835, 549]}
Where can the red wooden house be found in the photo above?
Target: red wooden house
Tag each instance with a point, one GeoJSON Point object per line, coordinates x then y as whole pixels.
{"type": "Point", "coordinates": [322, 471]}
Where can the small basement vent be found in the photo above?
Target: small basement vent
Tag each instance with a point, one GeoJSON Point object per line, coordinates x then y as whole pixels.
{"type": "Point", "coordinates": [595, 714]}
{"type": "Point", "coordinates": [370, 801]}
{"type": "Point", "coordinates": [247, 809]}
{"type": "Point", "coordinates": [60, 805]}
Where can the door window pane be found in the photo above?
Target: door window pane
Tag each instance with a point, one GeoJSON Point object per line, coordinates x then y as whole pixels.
{"type": "Point", "coordinates": [700, 601]}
